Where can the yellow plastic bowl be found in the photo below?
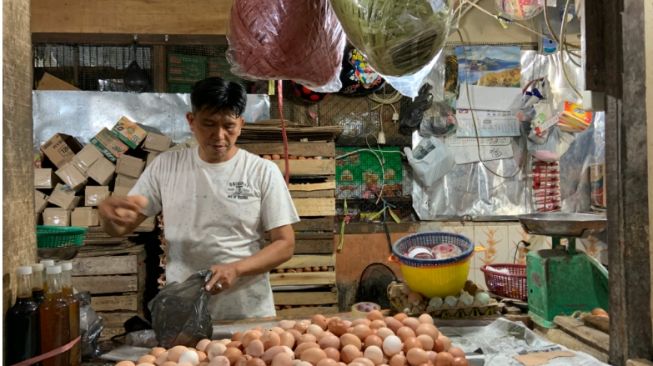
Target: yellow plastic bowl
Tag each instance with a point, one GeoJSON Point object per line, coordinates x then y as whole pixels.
{"type": "Point", "coordinates": [441, 280]}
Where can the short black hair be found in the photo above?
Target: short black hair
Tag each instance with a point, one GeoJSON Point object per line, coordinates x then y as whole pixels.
{"type": "Point", "coordinates": [216, 94]}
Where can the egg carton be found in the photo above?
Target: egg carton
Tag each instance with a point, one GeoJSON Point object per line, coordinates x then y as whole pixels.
{"type": "Point", "coordinates": [460, 312]}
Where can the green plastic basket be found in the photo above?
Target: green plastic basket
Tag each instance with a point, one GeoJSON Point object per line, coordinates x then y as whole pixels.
{"type": "Point", "coordinates": [59, 236]}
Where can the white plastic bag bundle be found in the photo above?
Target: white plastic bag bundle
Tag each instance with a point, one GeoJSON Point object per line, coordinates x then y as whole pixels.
{"type": "Point", "coordinates": [430, 161]}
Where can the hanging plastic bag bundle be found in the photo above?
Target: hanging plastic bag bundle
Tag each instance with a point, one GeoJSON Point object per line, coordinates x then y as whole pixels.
{"type": "Point", "coordinates": [287, 40]}
{"type": "Point", "coordinates": [430, 161]}
{"type": "Point", "coordinates": [180, 314]}
{"type": "Point", "coordinates": [401, 39]}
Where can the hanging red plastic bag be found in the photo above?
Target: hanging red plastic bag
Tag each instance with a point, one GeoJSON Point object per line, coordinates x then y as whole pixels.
{"type": "Point", "coordinates": [287, 40]}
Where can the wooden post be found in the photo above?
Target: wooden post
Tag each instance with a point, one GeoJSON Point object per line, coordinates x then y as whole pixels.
{"type": "Point", "coordinates": [19, 244]}
{"type": "Point", "coordinates": [621, 74]}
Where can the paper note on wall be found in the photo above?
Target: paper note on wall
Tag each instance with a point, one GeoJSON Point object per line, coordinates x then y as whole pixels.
{"type": "Point", "coordinates": [486, 123]}
{"type": "Point", "coordinates": [466, 150]}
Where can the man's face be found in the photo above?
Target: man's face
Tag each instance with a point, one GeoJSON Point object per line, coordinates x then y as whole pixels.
{"type": "Point", "coordinates": [216, 133]}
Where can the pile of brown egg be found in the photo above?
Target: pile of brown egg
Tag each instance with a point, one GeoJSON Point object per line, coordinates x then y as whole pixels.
{"type": "Point", "coordinates": [372, 341]}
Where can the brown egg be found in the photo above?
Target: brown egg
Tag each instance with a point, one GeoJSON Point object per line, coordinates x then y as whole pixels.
{"type": "Point", "coordinates": [287, 339]}
{"type": "Point", "coordinates": [255, 362]}
{"type": "Point", "coordinates": [163, 357]}
{"type": "Point", "coordinates": [295, 333]}
{"type": "Point", "coordinates": [384, 332]}
{"type": "Point", "coordinates": [220, 361]}
{"type": "Point", "coordinates": [460, 361]}
{"type": "Point", "coordinates": [270, 353]}
{"type": "Point", "coordinates": [287, 324]}
{"type": "Point", "coordinates": [249, 336]}
{"type": "Point", "coordinates": [145, 364]}
{"type": "Point", "coordinates": [363, 361]}
{"type": "Point", "coordinates": [329, 340]}
{"type": "Point", "coordinates": [411, 322]}
{"type": "Point", "coordinates": [375, 315]}
{"type": "Point", "coordinates": [350, 339]}
{"type": "Point", "coordinates": [332, 353]}
{"type": "Point", "coordinates": [375, 354]}
{"type": "Point", "coordinates": [425, 318]}
{"type": "Point", "coordinates": [347, 323]}
{"type": "Point", "coordinates": [443, 359]}
{"type": "Point", "coordinates": [431, 355]}
{"type": "Point", "coordinates": [307, 338]}
{"type": "Point", "coordinates": [215, 349]}
{"type": "Point", "coordinates": [270, 339]}
{"type": "Point", "coordinates": [315, 330]}
{"type": "Point", "coordinates": [360, 321]}
{"type": "Point", "coordinates": [236, 336]}
{"type": "Point", "coordinates": [426, 341]}
{"type": "Point", "coordinates": [416, 356]}
{"type": "Point", "coordinates": [428, 329]}
{"type": "Point", "coordinates": [233, 354]}
{"type": "Point", "coordinates": [242, 360]}
{"type": "Point", "coordinates": [255, 348]}
{"type": "Point", "coordinates": [171, 363]}
{"type": "Point", "coordinates": [393, 323]}
{"type": "Point", "coordinates": [411, 342]}
{"type": "Point", "coordinates": [313, 355]}
{"type": "Point", "coordinates": [438, 345]}
{"type": "Point", "coordinates": [282, 359]}
{"type": "Point", "coordinates": [600, 312]}
{"type": "Point", "coordinates": [157, 351]}
{"type": "Point", "coordinates": [327, 362]}
{"type": "Point", "coordinates": [304, 346]}
{"type": "Point", "coordinates": [377, 323]}
{"type": "Point", "coordinates": [201, 356]}
{"type": "Point", "coordinates": [337, 327]}
{"type": "Point", "coordinates": [319, 320]}
{"type": "Point", "coordinates": [405, 332]}
{"type": "Point", "coordinates": [398, 360]}
{"type": "Point", "coordinates": [400, 316]}
{"type": "Point", "coordinates": [175, 352]}
{"type": "Point", "coordinates": [456, 352]}
{"type": "Point", "coordinates": [146, 359]}
{"type": "Point", "coordinates": [277, 330]}
{"type": "Point", "coordinates": [302, 325]}
{"type": "Point", "coordinates": [362, 331]}
{"type": "Point", "coordinates": [373, 340]}
{"type": "Point", "coordinates": [349, 353]}
{"type": "Point", "coordinates": [125, 363]}
{"type": "Point", "coordinates": [446, 342]}
{"type": "Point", "coordinates": [236, 344]}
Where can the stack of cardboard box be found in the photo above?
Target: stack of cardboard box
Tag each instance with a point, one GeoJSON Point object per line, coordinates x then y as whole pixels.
{"type": "Point", "coordinates": [74, 179]}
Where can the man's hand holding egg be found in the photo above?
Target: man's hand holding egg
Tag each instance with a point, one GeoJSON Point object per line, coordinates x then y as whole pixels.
{"type": "Point", "coordinates": [123, 210]}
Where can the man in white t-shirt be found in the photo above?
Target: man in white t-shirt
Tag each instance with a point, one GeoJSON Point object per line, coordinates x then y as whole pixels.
{"type": "Point", "coordinates": [217, 202]}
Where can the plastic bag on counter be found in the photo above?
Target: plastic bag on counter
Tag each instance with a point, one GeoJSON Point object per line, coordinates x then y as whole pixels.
{"type": "Point", "coordinates": [180, 314]}
{"type": "Point", "coordinates": [401, 39]}
{"type": "Point", "coordinates": [289, 40]}
{"type": "Point", "coordinates": [90, 326]}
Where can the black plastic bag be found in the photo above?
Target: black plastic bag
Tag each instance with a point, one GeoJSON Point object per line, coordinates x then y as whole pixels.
{"type": "Point", "coordinates": [180, 314]}
{"type": "Point", "coordinates": [90, 326]}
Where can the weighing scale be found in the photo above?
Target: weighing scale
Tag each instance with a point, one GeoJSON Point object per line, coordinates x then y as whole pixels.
{"type": "Point", "coordinates": [561, 280]}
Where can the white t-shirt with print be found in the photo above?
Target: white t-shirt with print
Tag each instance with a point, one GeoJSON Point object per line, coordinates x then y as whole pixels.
{"type": "Point", "coordinates": [218, 213]}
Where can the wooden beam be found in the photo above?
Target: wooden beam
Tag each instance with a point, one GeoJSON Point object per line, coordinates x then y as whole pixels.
{"type": "Point", "coordinates": [304, 261]}
{"type": "Point", "coordinates": [130, 16]}
{"type": "Point", "coordinates": [325, 206]}
{"type": "Point", "coordinates": [124, 39]}
{"type": "Point", "coordinates": [107, 265]}
{"type": "Point", "coordinates": [311, 167]}
{"type": "Point", "coordinates": [305, 312]}
{"type": "Point", "coordinates": [107, 284]}
{"type": "Point", "coordinates": [602, 46]}
{"type": "Point", "coordinates": [324, 149]}
{"type": "Point", "coordinates": [315, 224]}
{"type": "Point", "coordinates": [302, 278]}
{"type": "Point", "coordinates": [305, 297]}
{"type": "Point", "coordinates": [560, 337]}
{"type": "Point", "coordinates": [591, 336]}
{"type": "Point", "coordinates": [627, 188]}
{"type": "Point", "coordinates": [159, 69]}
{"type": "Point", "coordinates": [130, 302]}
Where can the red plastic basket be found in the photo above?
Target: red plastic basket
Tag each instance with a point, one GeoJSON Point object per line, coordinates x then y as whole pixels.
{"type": "Point", "coordinates": [507, 280]}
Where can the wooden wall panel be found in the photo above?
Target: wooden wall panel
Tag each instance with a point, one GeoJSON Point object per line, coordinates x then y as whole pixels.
{"type": "Point", "coordinates": [19, 246]}
{"type": "Point", "coordinates": [130, 16]}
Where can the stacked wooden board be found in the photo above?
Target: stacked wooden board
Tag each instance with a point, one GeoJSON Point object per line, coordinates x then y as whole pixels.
{"type": "Point", "coordinates": [588, 333]}
{"type": "Point", "coordinates": [113, 271]}
{"type": "Point", "coordinates": [306, 284]}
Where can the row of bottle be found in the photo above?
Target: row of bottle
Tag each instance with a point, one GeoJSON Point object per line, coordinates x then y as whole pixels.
{"type": "Point", "coordinates": [45, 315]}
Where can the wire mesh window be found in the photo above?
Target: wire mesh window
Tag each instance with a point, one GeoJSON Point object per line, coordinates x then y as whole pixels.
{"type": "Point", "coordinates": [91, 67]}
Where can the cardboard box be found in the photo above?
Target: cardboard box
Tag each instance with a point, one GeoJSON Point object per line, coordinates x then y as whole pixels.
{"type": "Point", "coordinates": [151, 156]}
{"type": "Point", "coordinates": [40, 201]}
{"type": "Point", "coordinates": [109, 144]}
{"type": "Point", "coordinates": [60, 149]}
{"type": "Point", "coordinates": [130, 166]}
{"type": "Point", "coordinates": [129, 132]}
{"type": "Point", "coordinates": [84, 216]}
{"type": "Point", "coordinates": [86, 157]}
{"type": "Point", "coordinates": [56, 217]}
{"type": "Point", "coordinates": [71, 176]}
{"type": "Point", "coordinates": [63, 197]}
{"type": "Point", "coordinates": [44, 178]}
{"type": "Point", "coordinates": [51, 82]}
{"type": "Point", "coordinates": [157, 142]}
{"type": "Point", "coordinates": [125, 181]}
{"type": "Point", "coordinates": [121, 191]}
{"type": "Point", "coordinates": [101, 171]}
{"type": "Point", "coordinates": [93, 195]}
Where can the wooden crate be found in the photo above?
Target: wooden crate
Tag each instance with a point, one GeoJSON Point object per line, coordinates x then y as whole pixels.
{"type": "Point", "coordinates": [115, 277]}
{"type": "Point", "coordinates": [306, 149]}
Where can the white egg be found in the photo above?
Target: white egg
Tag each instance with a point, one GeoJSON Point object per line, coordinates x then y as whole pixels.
{"type": "Point", "coordinates": [391, 345]}
{"type": "Point", "coordinates": [190, 357]}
